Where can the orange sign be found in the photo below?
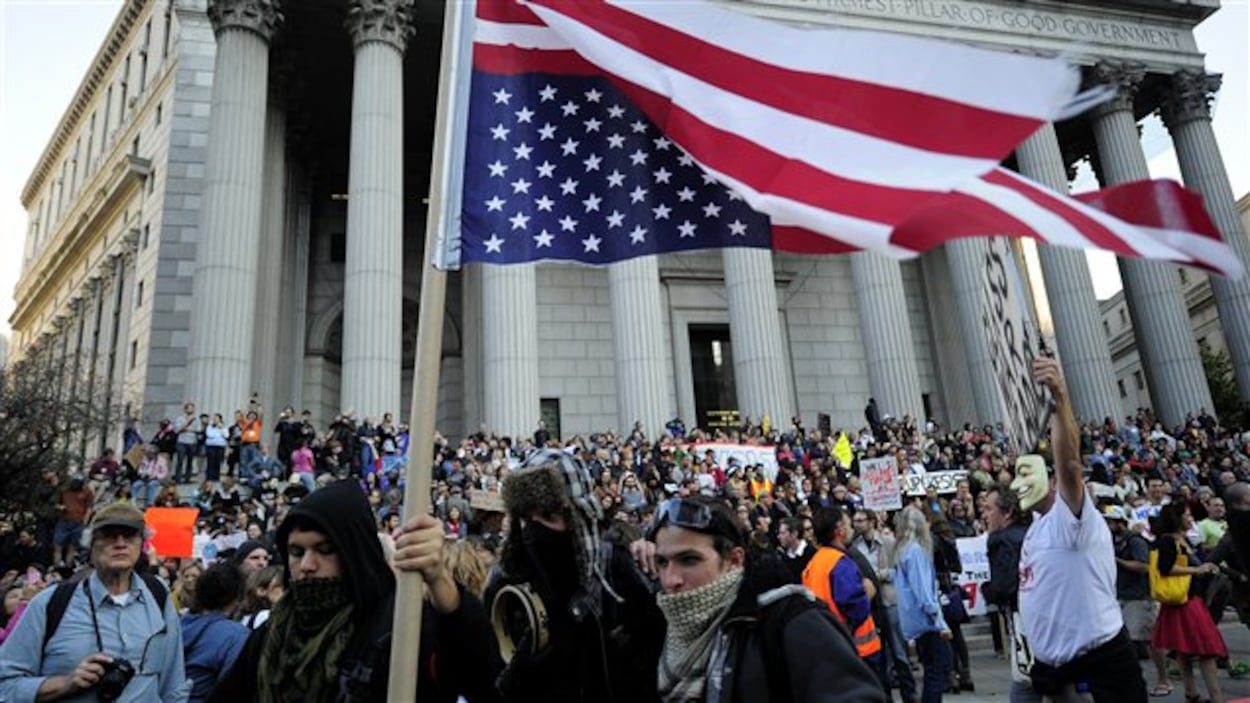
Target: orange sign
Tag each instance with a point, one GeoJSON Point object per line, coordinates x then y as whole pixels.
{"type": "Point", "coordinates": [172, 530]}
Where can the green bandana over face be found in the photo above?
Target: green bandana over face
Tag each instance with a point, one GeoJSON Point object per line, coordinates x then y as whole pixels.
{"type": "Point", "coordinates": [1031, 484]}
{"type": "Point", "coordinates": [309, 631]}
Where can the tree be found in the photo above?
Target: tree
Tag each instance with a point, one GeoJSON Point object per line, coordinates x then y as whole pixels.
{"type": "Point", "coordinates": [44, 418]}
{"type": "Point", "coordinates": [1219, 371]}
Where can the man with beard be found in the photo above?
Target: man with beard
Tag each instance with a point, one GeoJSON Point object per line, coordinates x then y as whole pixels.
{"type": "Point", "coordinates": [603, 632]}
{"type": "Point", "coordinates": [1067, 596]}
{"type": "Point", "coordinates": [1006, 528]}
{"type": "Point", "coordinates": [329, 637]}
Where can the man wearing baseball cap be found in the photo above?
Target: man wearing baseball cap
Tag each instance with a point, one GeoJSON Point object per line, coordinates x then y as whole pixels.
{"type": "Point", "coordinates": [1132, 589]}
{"type": "Point", "coordinates": [114, 634]}
{"type": "Point", "coordinates": [739, 631]}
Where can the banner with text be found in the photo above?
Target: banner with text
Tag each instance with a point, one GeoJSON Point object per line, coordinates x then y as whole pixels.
{"type": "Point", "coordinates": [1013, 343]}
{"type": "Point", "coordinates": [746, 455]}
{"type": "Point", "coordinates": [943, 481]}
{"type": "Point", "coordinates": [880, 482]}
{"type": "Point", "coordinates": [974, 555]}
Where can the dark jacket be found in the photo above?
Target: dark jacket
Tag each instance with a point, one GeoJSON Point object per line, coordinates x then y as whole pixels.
{"type": "Point", "coordinates": [1004, 552]}
{"type": "Point", "coordinates": [458, 651]}
{"type": "Point", "coordinates": [613, 657]}
{"type": "Point", "coordinates": [782, 644]}
{"type": "Point", "coordinates": [210, 643]}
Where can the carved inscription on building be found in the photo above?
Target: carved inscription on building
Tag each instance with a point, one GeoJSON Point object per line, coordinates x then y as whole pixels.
{"type": "Point", "coordinates": [1013, 20]}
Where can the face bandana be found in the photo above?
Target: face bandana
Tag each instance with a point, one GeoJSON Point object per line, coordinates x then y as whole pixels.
{"type": "Point", "coordinates": [1031, 483]}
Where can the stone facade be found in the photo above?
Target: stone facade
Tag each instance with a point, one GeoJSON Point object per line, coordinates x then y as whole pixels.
{"type": "Point", "coordinates": [121, 246]}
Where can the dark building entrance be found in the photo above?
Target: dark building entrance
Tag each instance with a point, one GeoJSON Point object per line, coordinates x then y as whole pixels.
{"type": "Point", "coordinates": [711, 362]}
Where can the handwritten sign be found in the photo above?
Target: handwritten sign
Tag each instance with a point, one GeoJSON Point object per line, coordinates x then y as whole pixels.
{"type": "Point", "coordinates": [974, 556]}
{"type": "Point", "coordinates": [1013, 345]}
{"type": "Point", "coordinates": [880, 481]}
{"type": "Point", "coordinates": [745, 454]}
{"type": "Point", "coordinates": [943, 481]}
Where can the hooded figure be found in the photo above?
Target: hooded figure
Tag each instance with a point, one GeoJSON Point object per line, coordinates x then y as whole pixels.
{"type": "Point", "coordinates": [329, 637]}
{"type": "Point", "coordinates": [605, 630]}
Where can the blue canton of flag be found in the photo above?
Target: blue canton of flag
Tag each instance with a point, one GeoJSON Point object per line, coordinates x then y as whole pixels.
{"type": "Point", "coordinates": [566, 168]}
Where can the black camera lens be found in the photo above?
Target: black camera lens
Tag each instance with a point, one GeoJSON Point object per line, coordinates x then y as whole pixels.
{"type": "Point", "coordinates": [117, 674]}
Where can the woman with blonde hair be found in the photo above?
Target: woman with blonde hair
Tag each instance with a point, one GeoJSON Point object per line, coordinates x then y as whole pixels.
{"type": "Point", "coordinates": [184, 588]}
{"type": "Point", "coordinates": [919, 611]}
{"type": "Point", "coordinates": [466, 565]}
{"type": "Point", "coordinates": [265, 587]}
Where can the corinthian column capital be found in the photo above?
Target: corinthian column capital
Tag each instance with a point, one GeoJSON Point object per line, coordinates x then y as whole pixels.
{"type": "Point", "coordinates": [387, 21]}
{"type": "Point", "coordinates": [1126, 78]}
{"type": "Point", "coordinates": [259, 16]}
{"type": "Point", "coordinates": [1190, 97]}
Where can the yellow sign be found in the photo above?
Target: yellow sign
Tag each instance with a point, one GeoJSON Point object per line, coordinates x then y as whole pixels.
{"type": "Point", "coordinates": [842, 451]}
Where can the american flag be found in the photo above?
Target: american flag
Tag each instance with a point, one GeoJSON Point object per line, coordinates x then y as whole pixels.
{"type": "Point", "coordinates": [844, 140]}
{"type": "Point", "coordinates": [566, 168]}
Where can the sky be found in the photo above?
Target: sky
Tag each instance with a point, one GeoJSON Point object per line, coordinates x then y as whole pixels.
{"type": "Point", "coordinates": [46, 47]}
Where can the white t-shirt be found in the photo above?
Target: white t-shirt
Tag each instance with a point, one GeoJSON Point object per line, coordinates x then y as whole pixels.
{"type": "Point", "coordinates": [1067, 583]}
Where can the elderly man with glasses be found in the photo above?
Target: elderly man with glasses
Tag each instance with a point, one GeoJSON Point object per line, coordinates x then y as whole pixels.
{"type": "Point", "coordinates": [113, 635]}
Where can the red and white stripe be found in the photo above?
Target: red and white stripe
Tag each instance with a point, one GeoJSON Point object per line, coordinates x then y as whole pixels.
{"type": "Point", "coordinates": [846, 139]}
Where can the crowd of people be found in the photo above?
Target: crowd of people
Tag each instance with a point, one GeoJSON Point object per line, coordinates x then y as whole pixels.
{"type": "Point", "coordinates": [628, 567]}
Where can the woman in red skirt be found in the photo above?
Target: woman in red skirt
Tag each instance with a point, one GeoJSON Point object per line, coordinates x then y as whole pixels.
{"type": "Point", "coordinates": [1186, 630]}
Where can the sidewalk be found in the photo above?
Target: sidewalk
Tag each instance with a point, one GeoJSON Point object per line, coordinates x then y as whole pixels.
{"type": "Point", "coordinates": [993, 679]}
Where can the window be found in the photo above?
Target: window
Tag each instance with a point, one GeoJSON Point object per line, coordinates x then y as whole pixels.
{"type": "Point", "coordinates": [1106, 328]}
{"type": "Point", "coordinates": [134, 147]}
{"type": "Point", "coordinates": [108, 108]}
{"type": "Point", "coordinates": [1123, 317]}
{"type": "Point", "coordinates": [125, 84]}
{"type": "Point", "coordinates": [152, 182]}
{"type": "Point", "coordinates": [143, 56]}
{"type": "Point", "coordinates": [549, 412]}
{"type": "Point", "coordinates": [143, 242]}
{"type": "Point", "coordinates": [159, 111]}
{"type": "Point", "coordinates": [1120, 384]}
{"type": "Point", "coordinates": [1139, 380]}
{"type": "Point", "coordinates": [338, 248]}
{"type": "Point", "coordinates": [1184, 276]}
{"type": "Point", "coordinates": [139, 295]}
{"type": "Point", "coordinates": [169, 15]}
{"type": "Point", "coordinates": [134, 354]}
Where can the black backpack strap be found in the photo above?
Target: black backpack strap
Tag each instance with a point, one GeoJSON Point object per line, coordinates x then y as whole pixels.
{"type": "Point", "coordinates": [57, 605]}
{"type": "Point", "coordinates": [158, 590]}
{"type": "Point", "coordinates": [777, 608]}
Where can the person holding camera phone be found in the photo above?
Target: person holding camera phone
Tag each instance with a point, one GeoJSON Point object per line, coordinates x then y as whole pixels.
{"type": "Point", "coordinates": [112, 636]}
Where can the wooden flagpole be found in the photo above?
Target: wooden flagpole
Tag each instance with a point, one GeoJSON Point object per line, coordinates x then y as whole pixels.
{"type": "Point", "coordinates": [410, 591]}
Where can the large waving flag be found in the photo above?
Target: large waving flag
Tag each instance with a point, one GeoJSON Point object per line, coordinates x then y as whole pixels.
{"type": "Point", "coordinates": [603, 130]}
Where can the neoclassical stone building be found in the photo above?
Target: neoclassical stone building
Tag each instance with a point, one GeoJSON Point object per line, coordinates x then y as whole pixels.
{"type": "Point", "coordinates": [234, 203]}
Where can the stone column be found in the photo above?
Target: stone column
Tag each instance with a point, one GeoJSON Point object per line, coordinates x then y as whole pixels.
{"type": "Point", "coordinates": [125, 298]}
{"type": "Point", "coordinates": [472, 413]}
{"type": "Point", "coordinates": [373, 280]}
{"type": "Point", "coordinates": [1161, 325]}
{"type": "Point", "coordinates": [219, 362]}
{"type": "Point", "coordinates": [886, 329]}
{"type": "Point", "coordinates": [1187, 113]}
{"type": "Point", "coordinates": [510, 349]}
{"type": "Point", "coordinates": [294, 293]}
{"type": "Point", "coordinates": [637, 316]}
{"type": "Point", "coordinates": [270, 262]}
{"type": "Point", "coordinates": [966, 258]}
{"type": "Point", "coordinates": [760, 363]}
{"type": "Point", "coordinates": [1073, 305]}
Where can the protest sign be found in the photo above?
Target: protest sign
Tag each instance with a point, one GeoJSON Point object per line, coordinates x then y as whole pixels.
{"type": "Point", "coordinates": [486, 500]}
{"type": "Point", "coordinates": [1013, 344]}
{"type": "Point", "coordinates": [746, 454]}
{"type": "Point", "coordinates": [943, 481]}
{"type": "Point", "coordinates": [974, 556]}
{"type": "Point", "coordinates": [171, 530]}
{"type": "Point", "coordinates": [880, 482]}
{"type": "Point", "coordinates": [842, 451]}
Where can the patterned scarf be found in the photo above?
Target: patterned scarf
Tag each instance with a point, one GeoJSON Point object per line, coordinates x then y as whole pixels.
{"type": "Point", "coordinates": [309, 631]}
{"type": "Point", "coordinates": [694, 618]}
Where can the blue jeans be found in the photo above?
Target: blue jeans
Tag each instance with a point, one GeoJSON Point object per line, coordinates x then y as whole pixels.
{"type": "Point", "coordinates": [143, 492]}
{"type": "Point", "coordinates": [935, 657]}
{"type": "Point", "coordinates": [248, 455]}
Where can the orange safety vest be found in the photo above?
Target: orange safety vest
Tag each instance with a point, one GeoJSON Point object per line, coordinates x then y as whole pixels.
{"type": "Point", "coordinates": [816, 577]}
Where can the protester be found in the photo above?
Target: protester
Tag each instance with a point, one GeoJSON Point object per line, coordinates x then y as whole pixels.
{"type": "Point", "coordinates": [919, 612]}
{"type": "Point", "coordinates": [1006, 527]}
{"type": "Point", "coordinates": [263, 590]}
{"type": "Point", "coordinates": [211, 640]}
{"type": "Point", "coordinates": [845, 582]}
{"type": "Point", "coordinates": [1071, 618]}
{"type": "Point", "coordinates": [739, 631]}
{"type": "Point", "coordinates": [876, 546]}
{"type": "Point", "coordinates": [76, 503]}
{"type": "Point", "coordinates": [329, 637]}
{"type": "Point", "coordinates": [114, 633]}
{"type": "Point", "coordinates": [605, 630]}
{"type": "Point", "coordinates": [1186, 629]}
{"type": "Point", "coordinates": [1132, 590]}
{"type": "Point", "coordinates": [795, 550]}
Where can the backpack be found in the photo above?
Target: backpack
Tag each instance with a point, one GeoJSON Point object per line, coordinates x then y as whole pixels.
{"type": "Point", "coordinates": [774, 617]}
{"type": "Point", "coordinates": [59, 602]}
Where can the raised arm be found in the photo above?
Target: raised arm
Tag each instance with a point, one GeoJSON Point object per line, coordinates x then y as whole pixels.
{"type": "Point", "coordinates": [1065, 440]}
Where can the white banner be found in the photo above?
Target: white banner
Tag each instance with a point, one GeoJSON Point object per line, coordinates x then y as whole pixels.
{"type": "Point", "coordinates": [746, 454]}
{"type": "Point", "coordinates": [943, 481]}
{"type": "Point", "coordinates": [880, 483]}
{"type": "Point", "coordinates": [974, 556]}
{"type": "Point", "coordinates": [1013, 343]}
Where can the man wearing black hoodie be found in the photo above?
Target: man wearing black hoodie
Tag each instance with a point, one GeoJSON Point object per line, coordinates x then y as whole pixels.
{"type": "Point", "coordinates": [329, 639]}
